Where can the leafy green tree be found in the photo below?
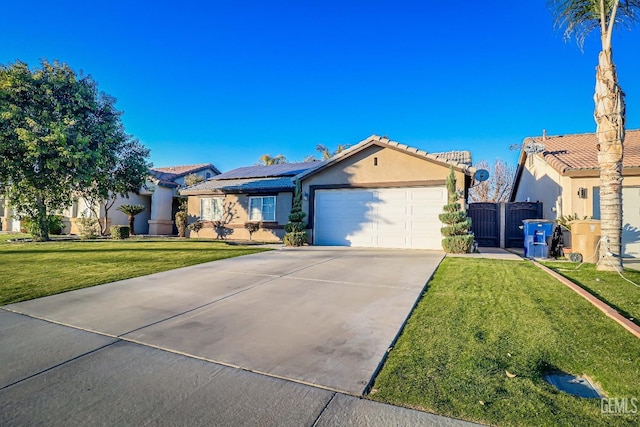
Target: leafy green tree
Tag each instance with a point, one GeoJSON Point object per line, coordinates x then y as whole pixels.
{"type": "Point", "coordinates": [123, 171]}
{"type": "Point", "coordinates": [579, 18]}
{"type": "Point", "coordinates": [56, 131]}
{"type": "Point", "coordinates": [193, 179]}
{"type": "Point", "coordinates": [131, 211]}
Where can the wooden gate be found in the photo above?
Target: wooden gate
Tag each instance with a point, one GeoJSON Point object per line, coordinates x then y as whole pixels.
{"type": "Point", "coordinates": [485, 223]}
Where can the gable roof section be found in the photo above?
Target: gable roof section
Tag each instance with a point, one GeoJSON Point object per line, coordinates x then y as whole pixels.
{"type": "Point", "coordinates": [167, 175]}
{"type": "Point", "coordinates": [571, 153]}
{"type": "Point", "coordinates": [252, 179]}
{"type": "Point", "coordinates": [577, 155]}
{"type": "Point", "coordinates": [452, 158]}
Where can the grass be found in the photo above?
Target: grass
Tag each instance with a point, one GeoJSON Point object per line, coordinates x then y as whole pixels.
{"type": "Point", "coordinates": [8, 236]}
{"type": "Point", "coordinates": [32, 270]}
{"type": "Point", "coordinates": [605, 285]}
{"type": "Point", "coordinates": [480, 318]}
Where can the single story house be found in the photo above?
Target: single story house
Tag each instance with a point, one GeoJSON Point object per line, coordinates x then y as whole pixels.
{"type": "Point", "coordinates": [562, 172]}
{"type": "Point", "coordinates": [159, 195]}
{"type": "Point", "coordinates": [378, 193]}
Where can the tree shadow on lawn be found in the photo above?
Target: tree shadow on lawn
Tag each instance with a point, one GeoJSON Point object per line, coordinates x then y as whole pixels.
{"type": "Point", "coordinates": [66, 248]}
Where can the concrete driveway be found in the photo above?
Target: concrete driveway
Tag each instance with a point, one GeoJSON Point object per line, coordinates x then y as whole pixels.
{"type": "Point", "coordinates": [301, 324]}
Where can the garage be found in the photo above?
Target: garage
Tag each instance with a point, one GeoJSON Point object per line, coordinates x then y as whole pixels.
{"type": "Point", "coordinates": [404, 217]}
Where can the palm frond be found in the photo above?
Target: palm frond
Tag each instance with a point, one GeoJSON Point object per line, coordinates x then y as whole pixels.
{"type": "Point", "coordinates": [579, 18]}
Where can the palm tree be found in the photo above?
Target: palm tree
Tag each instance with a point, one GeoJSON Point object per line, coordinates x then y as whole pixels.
{"type": "Point", "coordinates": [327, 154]}
{"type": "Point", "coordinates": [579, 18]}
{"type": "Point", "coordinates": [131, 211]}
{"type": "Point", "coordinates": [267, 160]}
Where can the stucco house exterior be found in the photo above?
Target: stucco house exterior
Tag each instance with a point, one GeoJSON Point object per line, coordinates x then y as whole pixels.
{"type": "Point", "coordinates": [159, 195]}
{"type": "Point", "coordinates": [378, 193]}
{"type": "Point", "coordinates": [564, 176]}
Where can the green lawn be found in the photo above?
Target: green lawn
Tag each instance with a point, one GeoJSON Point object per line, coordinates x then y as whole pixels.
{"type": "Point", "coordinates": [480, 318]}
{"type": "Point", "coordinates": [606, 286]}
{"type": "Point", "coordinates": [8, 236]}
{"type": "Point", "coordinates": [33, 270]}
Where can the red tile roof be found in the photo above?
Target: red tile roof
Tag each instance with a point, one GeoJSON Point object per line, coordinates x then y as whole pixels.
{"type": "Point", "coordinates": [575, 152]}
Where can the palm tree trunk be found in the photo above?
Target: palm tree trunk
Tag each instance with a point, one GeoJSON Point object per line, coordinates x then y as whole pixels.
{"type": "Point", "coordinates": [610, 119]}
{"type": "Point", "coordinates": [131, 219]}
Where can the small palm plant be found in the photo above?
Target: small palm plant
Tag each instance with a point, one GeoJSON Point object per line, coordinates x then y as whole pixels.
{"type": "Point", "coordinates": [131, 211]}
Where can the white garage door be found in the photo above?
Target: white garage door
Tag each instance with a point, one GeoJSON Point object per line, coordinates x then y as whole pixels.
{"type": "Point", "coordinates": [384, 217]}
{"type": "Point", "coordinates": [631, 222]}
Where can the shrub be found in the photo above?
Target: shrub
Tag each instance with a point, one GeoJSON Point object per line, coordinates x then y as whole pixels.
{"type": "Point", "coordinates": [88, 227]}
{"type": "Point", "coordinates": [458, 244]}
{"type": "Point", "coordinates": [296, 238]}
{"type": "Point", "coordinates": [196, 227]}
{"type": "Point", "coordinates": [452, 207]}
{"type": "Point", "coordinates": [252, 227]}
{"type": "Point", "coordinates": [119, 232]}
{"type": "Point", "coordinates": [456, 232]}
{"type": "Point", "coordinates": [181, 222]}
{"type": "Point", "coordinates": [56, 226]}
{"type": "Point", "coordinates": [451, 218]}
{"type": "Point", "coordinates": [459, 229]}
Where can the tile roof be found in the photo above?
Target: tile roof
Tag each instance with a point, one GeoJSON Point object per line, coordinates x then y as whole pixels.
{"type": "Point", "coordinates": [458, 160]}
{"type": "Point", "coordinates": [575, 152]}
{"type": "Point", "coordinates": [462, 157]}
{"type": "Point", "coordinates": [262, 171]}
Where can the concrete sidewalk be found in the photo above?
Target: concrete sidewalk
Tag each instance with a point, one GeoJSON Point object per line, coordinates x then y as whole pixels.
{"type": "Point", "coordinates": [288, 337]}
{"type": "Point", "coordinates": [490, 253]}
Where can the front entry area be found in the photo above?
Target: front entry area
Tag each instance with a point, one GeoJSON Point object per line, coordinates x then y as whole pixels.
{"type": "Point", "coordinates": [405, 217]}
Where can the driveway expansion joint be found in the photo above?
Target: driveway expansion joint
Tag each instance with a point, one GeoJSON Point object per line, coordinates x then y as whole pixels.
{"type": "Point", "coordinates": [58, 365]}
{"type": "Point", "coordinates": [317, 420]}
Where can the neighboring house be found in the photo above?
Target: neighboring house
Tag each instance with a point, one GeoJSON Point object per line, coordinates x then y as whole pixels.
{"type": "Point", "coordinates": [258, 193]}
{"type": "Point", "coordinates": [377, 193]}
{"type": "Point", "coordinates": [162, 194]}
{"type": "Point", "coordinates": [8, 221]}
{"type": "Point", "coordinates": [159, 196]}
{"type": "Point", "coordinates": [564, 176]}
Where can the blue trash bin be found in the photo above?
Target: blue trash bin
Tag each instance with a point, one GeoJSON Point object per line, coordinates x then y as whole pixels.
{"type": "Point", "coordinates": [537, 236]}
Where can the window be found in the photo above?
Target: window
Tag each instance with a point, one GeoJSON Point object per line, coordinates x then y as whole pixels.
{"type": "Point", "coordinates": [211, 209]}
{"type": "Point", "coordinates": [262, 208]}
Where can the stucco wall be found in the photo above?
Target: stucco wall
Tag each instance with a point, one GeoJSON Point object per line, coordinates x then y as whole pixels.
{"type": "Point", "coordinates": [541, 183]}
{"type": "Point", "coordinates": [559, 194]}
{"type": "Point", "coordinates": [236, 214]}
{"type": "Point", "coordinates": [380, 166]}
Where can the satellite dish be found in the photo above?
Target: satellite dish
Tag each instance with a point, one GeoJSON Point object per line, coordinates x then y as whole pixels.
{"type": "Point", "coordinates": [481, 175]}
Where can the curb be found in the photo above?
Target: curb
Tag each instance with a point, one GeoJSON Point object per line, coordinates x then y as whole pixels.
{"type": "Point", "coordinates": [606, 309]}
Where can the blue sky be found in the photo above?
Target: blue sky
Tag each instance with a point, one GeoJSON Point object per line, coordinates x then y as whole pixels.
{"type": "Point", "coordinates": [227, 81]}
